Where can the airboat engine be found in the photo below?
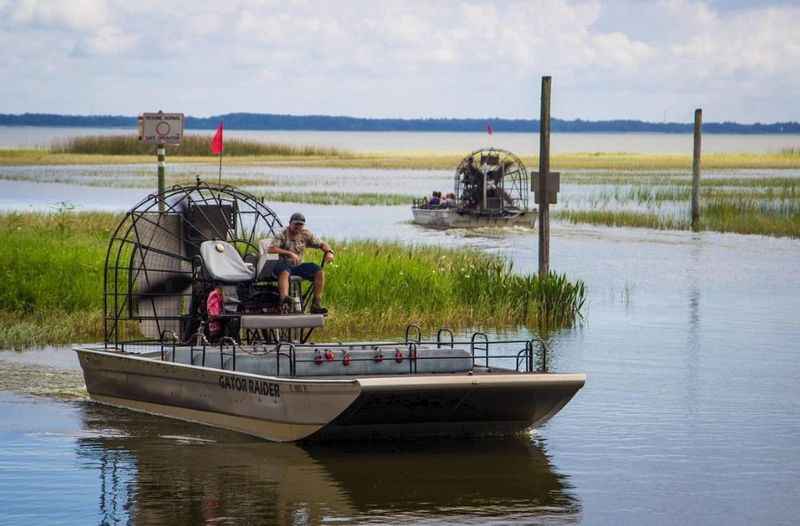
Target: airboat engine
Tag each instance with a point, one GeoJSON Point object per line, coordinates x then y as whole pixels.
{"type": "Point", "coordinates": [491, 181]}
{"type": "Point", "coordinates": [157, 283]}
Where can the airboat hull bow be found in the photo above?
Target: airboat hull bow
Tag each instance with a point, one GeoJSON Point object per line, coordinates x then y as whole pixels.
{"type": "Point", "coordinates": [338, 407]}
{"type": "Point", "coordinates": [452, 218]}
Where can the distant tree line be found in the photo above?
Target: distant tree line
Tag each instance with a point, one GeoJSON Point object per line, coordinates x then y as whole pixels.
{"type": "Point", "coordinates": [270, 121]}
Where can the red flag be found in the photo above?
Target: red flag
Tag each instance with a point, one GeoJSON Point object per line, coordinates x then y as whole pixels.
{"type": "Point", "coordinates": [216, 143]}
{"type": "Point", "coordinates": [489, 129]}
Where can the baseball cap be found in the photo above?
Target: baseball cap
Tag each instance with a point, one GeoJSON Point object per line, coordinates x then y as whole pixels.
{"type": "Point", "coordinates": [297, 217]}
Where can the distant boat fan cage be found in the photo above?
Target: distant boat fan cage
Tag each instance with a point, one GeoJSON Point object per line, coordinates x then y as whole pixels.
{"type": "Point", "coordinates": [149, 263]}
{"type": "Point", "coordinates": [491, 181]}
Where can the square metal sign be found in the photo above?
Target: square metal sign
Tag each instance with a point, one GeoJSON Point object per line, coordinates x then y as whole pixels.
{"type": "Point", "coordinates": [161, 128]}
{"type": "Point", "coordinates": [552, 185]}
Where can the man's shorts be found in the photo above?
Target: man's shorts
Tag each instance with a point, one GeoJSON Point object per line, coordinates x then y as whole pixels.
{"type": "Point", "coordinates": [304, 270]}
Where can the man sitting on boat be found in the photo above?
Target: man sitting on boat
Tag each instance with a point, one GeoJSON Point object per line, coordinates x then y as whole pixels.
{"type": "Point", "coordinates": [290, 244]}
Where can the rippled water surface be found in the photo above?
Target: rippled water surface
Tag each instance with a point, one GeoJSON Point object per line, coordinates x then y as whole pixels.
{"type": "Point", "coordinates": [690, 414]}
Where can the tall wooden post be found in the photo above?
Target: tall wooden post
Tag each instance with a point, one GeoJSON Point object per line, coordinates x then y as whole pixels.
{"type": "Point", "coordinates": [162, 151]}
{"type": "Point", "coordinates": [698, 124]}
{"type": "Point", "coordinates": [544, 173]}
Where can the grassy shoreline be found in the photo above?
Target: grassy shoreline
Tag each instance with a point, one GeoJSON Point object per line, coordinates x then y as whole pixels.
{"type": "Point", "coordinates": [748, 217]}
{"type": "Point", "coordinates": [52, 265]}
{"type": "Point", "coordinates": [419, 160]}
{"type": "Point", "coordinates": [745, 205]}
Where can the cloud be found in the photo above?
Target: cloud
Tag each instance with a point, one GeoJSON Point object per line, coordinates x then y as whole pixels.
{"type": "Point", "coordinates": [625, 58]}
{"type": "Point", "coordinates": [72, 15]}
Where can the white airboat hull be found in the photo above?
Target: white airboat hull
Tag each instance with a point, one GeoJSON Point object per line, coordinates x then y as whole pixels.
{"type": "Point", "coordinates": [450, 218]}
{"type": "Point", "coordinates": [288, 409]}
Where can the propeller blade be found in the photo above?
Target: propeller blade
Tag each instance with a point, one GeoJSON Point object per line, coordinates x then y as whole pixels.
{"type": "Point", "coordinates": [174, 284]}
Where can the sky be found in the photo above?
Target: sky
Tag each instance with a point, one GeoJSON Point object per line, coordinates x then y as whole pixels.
{"type": "Point", "coordinates": [649, 60]}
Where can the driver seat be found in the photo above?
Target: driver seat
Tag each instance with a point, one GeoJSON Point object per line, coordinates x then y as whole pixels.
{"type": "Point", "coordinates": [223, 263]}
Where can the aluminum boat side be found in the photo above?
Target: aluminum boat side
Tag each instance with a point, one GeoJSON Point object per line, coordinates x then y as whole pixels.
{"type": "Point", "coordinates": [288, 409]}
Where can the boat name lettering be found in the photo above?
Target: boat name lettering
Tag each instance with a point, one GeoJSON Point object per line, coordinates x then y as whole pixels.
{"type": "Point", "coordinates": [249, 385]}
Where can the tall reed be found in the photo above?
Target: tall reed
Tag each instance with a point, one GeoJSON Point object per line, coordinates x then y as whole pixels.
{"type": "Point", "coordinates": [389, 285]}
{"type": "Point", "coordinates": [191, 146]}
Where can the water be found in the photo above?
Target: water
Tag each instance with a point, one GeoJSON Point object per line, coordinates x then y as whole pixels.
{"type": "Point", "coordinates": [690, 413]}
{"type": "Point", "coordinates": [117, 187]}
{"type": "Point", "coordinates": [446, 142]}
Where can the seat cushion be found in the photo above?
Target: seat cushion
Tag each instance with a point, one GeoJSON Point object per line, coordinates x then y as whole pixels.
{"type": "Point", "coordinates": [224, 263]}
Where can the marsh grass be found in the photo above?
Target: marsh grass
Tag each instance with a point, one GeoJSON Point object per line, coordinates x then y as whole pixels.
{"type": "Point", "coordinates": [741, 216]}
{"type": "Point", "coordinates": [52, 262]}
{"type": "Point", "coordinates": [745, 205]}
{"type": "Point", "coordinates": [191, 146]}
{"type": "Point", "coordinates": [123, 151]}
{"type": "Point", "coordinates": [657, 178]}
{"type": "Point", "coordinates": [622, 218]}
{"type": "Point", "coordinates": [146, 181]}
{"type": "Point", "coordinates": [142, 179]}
{"type": "Point", "coordinates": [52, 270]}
{"type": "Point", "coordinates": [382, 287]}
{"type": "Point", "coordinates": [654, 194]}
{"type": "Point", "coordinates": [339, 198]}
{"type": "Point", "coordinates": [752, 216]}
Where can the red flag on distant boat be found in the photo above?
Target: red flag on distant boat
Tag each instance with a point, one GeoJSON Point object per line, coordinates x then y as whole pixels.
{"type": "Point", "coordinates": [216, 143]}
{"type": "Point", "coordinates": [489, 129]}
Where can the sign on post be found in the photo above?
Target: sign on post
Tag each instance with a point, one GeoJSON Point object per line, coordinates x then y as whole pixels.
{"type": "Point", "coordinates": [553, 185]}
{"type": "Point", "coordinates": [161, 128]}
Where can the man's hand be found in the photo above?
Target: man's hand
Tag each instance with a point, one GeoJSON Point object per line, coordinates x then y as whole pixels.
{"type": "Point", "coordinates": [329, 256]}
{"type": "Point", "coordinates": [294, 257]}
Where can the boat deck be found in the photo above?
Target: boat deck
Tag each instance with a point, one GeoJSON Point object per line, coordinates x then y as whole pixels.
{"type": "Point", "coordinates": [351, 360]}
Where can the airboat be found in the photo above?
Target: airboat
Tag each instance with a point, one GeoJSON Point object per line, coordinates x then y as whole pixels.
{"type": "Point", "coordinates": [491, 188]}
{"type": "Point", "coordinates": [194, 330]}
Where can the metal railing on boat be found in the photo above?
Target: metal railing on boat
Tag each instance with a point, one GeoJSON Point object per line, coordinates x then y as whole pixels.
{"type": "Point", "coordinates": [411, 351]}
{"type": "Point", "coordinates": [532, 356]}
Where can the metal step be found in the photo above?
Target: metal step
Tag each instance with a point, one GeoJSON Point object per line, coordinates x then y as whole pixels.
{"type": "Point", "coordinates": [282, 321]}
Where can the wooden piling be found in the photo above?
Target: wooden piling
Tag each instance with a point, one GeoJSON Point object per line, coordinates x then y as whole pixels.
{"type": "Point", "coordinates": [698, 124]}
{"type": "Point", "coordinates": [544, 172]}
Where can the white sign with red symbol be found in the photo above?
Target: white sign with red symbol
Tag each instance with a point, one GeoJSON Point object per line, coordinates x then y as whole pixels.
{"type": "Point", "coordinates": [161, 128]}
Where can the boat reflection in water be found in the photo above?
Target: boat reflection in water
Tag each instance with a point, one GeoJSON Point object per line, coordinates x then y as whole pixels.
{"type": "Point", "coordinates": [155, 470]}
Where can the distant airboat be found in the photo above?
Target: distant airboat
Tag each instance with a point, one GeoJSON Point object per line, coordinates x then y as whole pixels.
{"type": "Point", "coordinates": [491, 188]}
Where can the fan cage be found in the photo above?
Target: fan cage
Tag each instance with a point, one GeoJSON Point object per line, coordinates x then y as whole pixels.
{"type": "Point", "coordinates": [149, 267]}
{"type": "Point", "coordinates": [491, 181]}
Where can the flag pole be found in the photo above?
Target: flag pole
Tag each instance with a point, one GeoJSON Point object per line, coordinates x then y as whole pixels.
{"type": "Point", "coordinates": [221, 151]}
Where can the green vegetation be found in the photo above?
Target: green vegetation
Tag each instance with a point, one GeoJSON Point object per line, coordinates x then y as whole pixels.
{"type": "Point", "coordinates": [339, 198]}
{"type": "Point", "coordinates": [379, 288]}
{"type": "Point", "coordinates": [721, 214]}
{"type": "Point", "coordinates": [52, 269]}
{"type": "Point", "coordinates": [745, 205]}
{"type": "Point", "coordinates": [659, 178]}
{"type": "Point", "coordinates": [129, 151]}
{"type": "Point", "coordinates": [651, 194]}
{"type": "Point", "coordinates": [621, 218]}
{"type": "Point", "coordinates": [145, 181]}
{"type": "Point", "coordinates": [191, 146]}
